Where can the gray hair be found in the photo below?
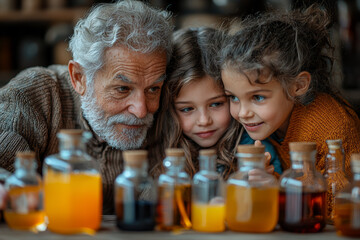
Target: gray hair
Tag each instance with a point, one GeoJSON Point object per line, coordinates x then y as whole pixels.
{"type": "Point", "coordinates": [130, 23]}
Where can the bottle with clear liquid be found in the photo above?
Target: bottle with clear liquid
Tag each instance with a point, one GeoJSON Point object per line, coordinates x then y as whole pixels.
{"type": "Point", "coordinates": [135, 194]}
{"type": "Point", "coordinates": [303, 189]}
{"type": "Point", "coordinates": [347, 204]}
{"type": "Point", "coordinates": [208, 206]}
{"type": "Point", "coordinates": [174, 201]}
{"type": "Point", "coordinates": [73, 177]}
{"type": "Point", "coordinates": [252, 194]}
{"type": "Point", "coordinates": [334, 174]}
{"type": "Point", "coordinates": [24, 205]}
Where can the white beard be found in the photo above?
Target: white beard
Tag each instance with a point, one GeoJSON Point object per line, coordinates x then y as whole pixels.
{"type": "Point", "coordinates": [104, 127]}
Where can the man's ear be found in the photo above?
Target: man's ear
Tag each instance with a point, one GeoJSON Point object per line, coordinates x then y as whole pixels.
{"type": "Point", "coordinates": [77, 76]}
{"type": "Point", "coordinates": [302, 84]}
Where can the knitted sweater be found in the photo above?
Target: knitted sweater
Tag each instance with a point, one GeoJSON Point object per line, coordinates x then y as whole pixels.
{"type": "Point", "coordinates": [34, 106]}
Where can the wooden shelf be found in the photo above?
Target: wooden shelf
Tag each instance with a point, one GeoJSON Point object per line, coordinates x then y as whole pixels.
{"type": "Point", "coordinates": [45, 15]}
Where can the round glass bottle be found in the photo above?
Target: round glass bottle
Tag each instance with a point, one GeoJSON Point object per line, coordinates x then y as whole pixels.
{"type": "Point", "coordinates": [334, 174]}
{"type": "Point", "coordinates": [302, 192]}
{"type": "Point", "coordinates": [174, 202]}
{"type": "Point", "coordinates": [135, 194]}
{"type": "Point", "coordinates": [73, 175]}
{"type": "Point", "coordinates": [208, 207]}
{"type": "Point", "coordinates": [347, 203]}
{"type": "Point", "coordinates": [24, 205]}
{"type": "Point", "coordinates": [251, 194]}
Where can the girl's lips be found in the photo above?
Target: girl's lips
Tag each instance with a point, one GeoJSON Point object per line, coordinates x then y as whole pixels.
{"type": "Point", "coordinates": [205, 134]}
{"type": "Point", "coordinates": [252, 127]}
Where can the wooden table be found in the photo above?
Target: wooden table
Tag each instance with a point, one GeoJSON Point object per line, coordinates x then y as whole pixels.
{"type": "Point", "coordinates": [109, 231]}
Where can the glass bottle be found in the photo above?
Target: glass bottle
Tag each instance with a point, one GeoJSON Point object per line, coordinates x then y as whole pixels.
{"type": "Point", "coordinates": [208, 207]}
{"type": "Point", "coordinates": [4, 174]}
{"type": "Point", "coordinates": [347, 203]}
{"type": "Point", "coordinates": [24, 204]}
{"type": "Point", "coordinates": [72, 176]}
{"type": "Point", "coordinates": [252, 194]}
{"type": "Point", "coordinates": [174, 202]}
{"type": "Point", "coordinates": [135, 194]}
{"type": "Point", "coordinates": [302, 192]}
{"type": "Point", "coordinates": [334, 174]}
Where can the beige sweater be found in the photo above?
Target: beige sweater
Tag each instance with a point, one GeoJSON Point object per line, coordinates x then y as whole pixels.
{"type": "Point", "coordinates": [34, 106]}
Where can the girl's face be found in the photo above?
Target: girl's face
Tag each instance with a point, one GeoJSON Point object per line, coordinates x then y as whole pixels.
{"type": "Point", "coordinates": [261, 108]}
{"type": "Point", "coordinates": [203, 111]}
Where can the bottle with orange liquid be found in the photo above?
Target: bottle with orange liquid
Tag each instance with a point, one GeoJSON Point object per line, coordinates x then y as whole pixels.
{"type": "Point", "coordinates": [135, 194]}
{"type": "Point", "coordinates": [208, 206]}
{"type": "Point", "coordinates": [72, 186]}
{"type": "Point", "coordinates": [347, 204]}
{"type": "Point", "coordinates": [24, 205]}
{"type": "Point", "coordinates": [334, 174]}
{"type": "Point", "coordinates": [252, 194]}
{"type": "Point", "coordinates": [303, 189]}
{"type": "Point", "coordinates": [174, 201]}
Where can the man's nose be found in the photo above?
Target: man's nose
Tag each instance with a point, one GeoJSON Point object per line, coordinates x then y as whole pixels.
{"type": "Point", "coordinates": [138, 105]}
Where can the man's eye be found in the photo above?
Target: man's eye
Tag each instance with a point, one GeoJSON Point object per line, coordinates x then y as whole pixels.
{"type": "Point", "coordinates": [186, 109]}
{"type": "Point", "coordinates": [123, 89]}
{"type": "Point", "coordinates": [154, 89]}
{"type": "Point", "coordinates": [258, 98]}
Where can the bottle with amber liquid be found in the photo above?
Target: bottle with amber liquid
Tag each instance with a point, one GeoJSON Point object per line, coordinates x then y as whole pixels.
{"type": "Point", "coordinates": [24, 205]}
{"type": "Point", "coordinates": [347, 204]}
{"type": "Point", "coordinates": [303, 189]}
{"type": "Point", "coordinates": [174, 201]}
{"type": "Point", "coordinates": [208, 206]}
{"type": "Point", "coordinates": [135, 194]}
{"type": "Point", "coordinates": [334, 174]}
{"type": "Point", "coordinates": [72, 186]}
{"type": "Point", "coordinates": [252, 194]}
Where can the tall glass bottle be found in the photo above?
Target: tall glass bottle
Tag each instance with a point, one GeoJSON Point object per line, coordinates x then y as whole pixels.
{"type": "Point", "coordinates": [135, 194]}
{"type": "Point", "coordinates": [302, 192]}
{"type": "Point", "coordinates": [252, 194]}
{"type": "Point", "coordinates": [347, 203]}
{"type": "Point", "coordinates": [334, 174]}
{"type": "Point", "coordinates": [208, 207]}
{"type": "Point", "coordinates": [174, 202]}
{"type": "Point", "coordinates": [24, 205]}
{"type": "Point", "coordinates": [74, 176]}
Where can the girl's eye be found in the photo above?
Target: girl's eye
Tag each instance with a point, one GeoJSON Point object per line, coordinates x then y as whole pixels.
{"type": "Point", "coordinates": [186, 109]}
{"type": "Point", "coordinates": [258, 98]}
{"type": "Point", "coordinates": [216, 104]}
{"type": "Point", "coordinates": [233, 98]}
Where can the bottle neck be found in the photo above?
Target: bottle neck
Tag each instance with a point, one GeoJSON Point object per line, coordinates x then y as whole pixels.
{"type": "Point", "coordinates": [174, 165]}
{"type": "Point", "coordinates": [303, 161]}
{"type": "Point", "coordinates": [71, 146]}
{"type": "Point", "coordinates": [25, 166]}
{"type": "Point", "coordinates": [138, 171]}
{"type": "Point", "coordinates": [248, 161]}
{"type": "Point", "coordinates": [208, 163]}
{"type": "Point", "coordinates": [334, 161]}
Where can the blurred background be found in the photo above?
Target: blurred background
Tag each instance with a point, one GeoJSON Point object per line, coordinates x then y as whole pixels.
{"type": "Point", "coordinates": [36, 32]}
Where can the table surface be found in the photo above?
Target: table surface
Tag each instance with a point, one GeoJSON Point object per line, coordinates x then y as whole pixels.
{"type": "Point", "coordinates": [109, 231]}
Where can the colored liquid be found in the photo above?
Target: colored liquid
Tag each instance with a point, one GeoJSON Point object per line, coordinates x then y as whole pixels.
{"type": "Point", "coordinates": [135, 216]}
{"type": "Point", "coordinates": [208, 217]}
{"type": "Point", "coordinates": [251, 209]}
{"type": "Point", "coordinates": [24, 208]}
{"type": "Point", "coordinates": [174, 207]}
{"type": "Point", "coordinates": [302, 212]}
{"type": "Point", "coordinates": [347, 219]}
{"type": "Point", "coordinates": [73, 202]}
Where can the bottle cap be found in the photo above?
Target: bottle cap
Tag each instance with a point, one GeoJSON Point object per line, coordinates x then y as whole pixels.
{"type": "Point", "coordinates": [207, 152]}
{"type": "Point", "coordinates": [135, 158]}
{"type": "Point", "coordinates": [73, 132]}
{"type": "Point", "coordinates": [302, 146]}
{"type": "Point", "coordinates": [30, 155]}
{"type": "Point", "coordinates": [175, 152]}
{"type": "Point", "coordinates": [250, 148]}
{"type": "Point", "coordinates": [334, 144]}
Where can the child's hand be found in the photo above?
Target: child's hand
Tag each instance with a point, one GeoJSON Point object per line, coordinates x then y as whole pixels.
{"type": "Point", "coordinates": [268, 168]}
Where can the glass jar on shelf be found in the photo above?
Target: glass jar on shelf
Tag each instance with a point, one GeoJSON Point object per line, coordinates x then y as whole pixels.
{"type": "Point", "coordinates": [302, 192]}
{"type": "Point", "coordinates": [208, 206]}
{"type": "Point", "coordinates": [347, 203]}
{"type": "Point", "coordinates": [252, 194]}
{"type": "Point", "coordinates": [24, 205]}
{"type": "Point", "coordinates": [174, 201]}
{"type": "Point", "coordinates": [74, 175]}
{"type": "Point", "coordinates": [135, 194]}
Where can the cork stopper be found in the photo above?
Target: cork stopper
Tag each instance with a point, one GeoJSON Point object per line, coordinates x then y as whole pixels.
{"type": "Point", "coordinates": [135, 158]}
{"type": "Point", "coordinates": [251, 149]}
{"type": "Point", "coordinates": [28, 155]}
{"type": "Point", "coordinates": [175, 152]}
{"type": "Point", "coordinates": [334, 144]}
{"type": "Point", "coordinates": [207, 152]}
{"type": "Point", "coordinates": [71, 132]}
{"type": "Point", "coordinates": [302, 146]}
{"type": "Point", "coordinates": [355, 162]}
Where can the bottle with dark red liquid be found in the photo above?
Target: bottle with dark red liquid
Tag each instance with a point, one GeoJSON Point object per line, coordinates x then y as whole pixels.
{"type": "Point", "coordinates": [302, 200]}
{"type": "Point", "coordinates": [135, 194]}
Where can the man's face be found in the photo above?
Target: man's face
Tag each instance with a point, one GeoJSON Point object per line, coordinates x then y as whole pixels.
{"type": "Point", "coordinates": [125, 94]}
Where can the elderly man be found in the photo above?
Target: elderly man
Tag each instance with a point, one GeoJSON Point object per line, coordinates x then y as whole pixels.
{"type": "Point", "coordinates": [111, 88]}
